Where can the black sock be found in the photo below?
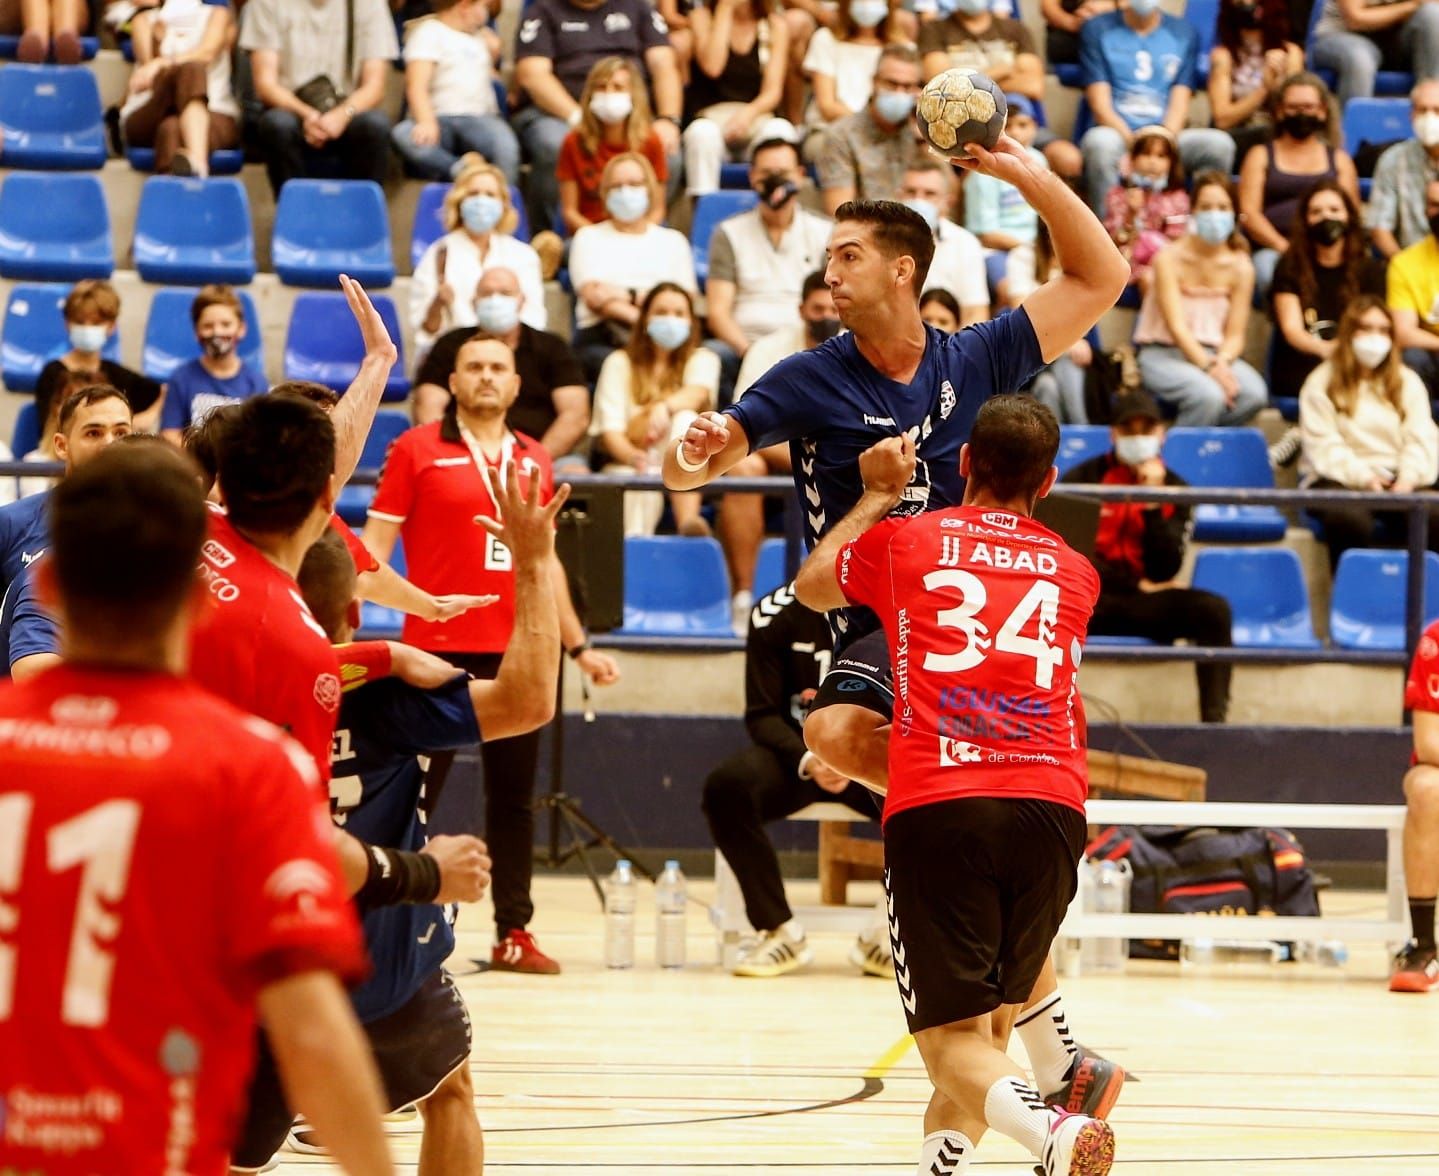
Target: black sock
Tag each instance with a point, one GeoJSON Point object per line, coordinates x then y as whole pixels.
{"type": "Point", "coordinates": [1421, 919]}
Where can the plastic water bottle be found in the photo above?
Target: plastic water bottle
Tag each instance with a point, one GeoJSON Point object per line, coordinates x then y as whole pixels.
{"type": "Point", "coordinates": [620, 917]}
{"type": "Point", "coordinates": [1327, 953]}
{"type": "Point", "coordinates": [670, 905]}
{"type": "Point", "coordinates": [1230, 953]}
{"type": "Point", "coordinates": [1107, 894]}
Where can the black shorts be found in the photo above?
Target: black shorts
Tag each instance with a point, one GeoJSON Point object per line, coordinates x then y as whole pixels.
{"type": "Point", "coordinates": [977, 888]}
{"type": "Point", "coordinates": [860, 676]}
{"type": "Point", "coordinates": [416, 1048]}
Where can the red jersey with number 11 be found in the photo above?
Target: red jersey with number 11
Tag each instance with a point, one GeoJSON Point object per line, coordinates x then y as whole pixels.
{"type": "Point", "coordinates": [986, 614]}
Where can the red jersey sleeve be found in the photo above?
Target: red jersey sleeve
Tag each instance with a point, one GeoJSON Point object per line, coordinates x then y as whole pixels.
{"type": "Point", "coordinates": [1421, 690]}
{"type": "Point", "coordinates": [364, 561]}
{"type": "Point", "coordinates": [362, 662]}
{"type": "Point", "coordinates": [395, 494]}
{"type": "Point", "coordinates": [289, 909]}
{"type": "Point", "coordinates": [862, 564]}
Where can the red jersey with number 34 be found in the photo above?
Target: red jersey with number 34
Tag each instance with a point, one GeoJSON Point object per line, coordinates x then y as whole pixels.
{"type": "Point", "coordinates": [986, 614]}
{"type": "Point", "coordinates": [163, 857]}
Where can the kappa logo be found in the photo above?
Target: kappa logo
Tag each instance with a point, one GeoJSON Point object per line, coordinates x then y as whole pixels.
{"type": "Point", "coordinates": [953, 752]}
{"type": "Point", "coordinates": [217, 554]}
{"type": "Point", "coordinates": [947, 400]}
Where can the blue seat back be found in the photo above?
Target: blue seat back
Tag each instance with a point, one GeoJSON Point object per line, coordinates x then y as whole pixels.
{"type": "Point", "coordinates": [676, 587]}
{"type": "Point", "coordinates": [323, 342]}
{"type": "Point", "coordinates": [51, 117]}
{"type": "Point", "coordinates": [1204, 16]}
{"type": "Point", "coordinates": [710, 209]}
{"type": "Point", "coordinates": [54, 226]}
{"type": "Point", "coordinates": [1219, 457]}
{"type": "Point", "coordinates": [34, 333]}
{"type": "Point", "coordinates": [1266, 593]}
{"type": "Point", "coordinates": [170, 338]}
{"type": "Point", "coordinates": [1366, 609]}
{"type": "Point", "coordinates": [26, 434]}
{"type": "Point", "coordinates": [429, 226]}
{"type": "Point", "coordinates": [194, 231]}
{"type": "Point", "coordinates": [769, 567]}
{"type": "Point", "coordinates": [324, 228]}
{"type": "Point", "coordinates": [389, 423]}
{"type": "Point", "coordinates": [1079, 443]}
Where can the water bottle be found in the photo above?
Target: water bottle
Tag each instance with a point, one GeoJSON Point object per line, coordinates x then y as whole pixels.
{"type": "Point", "coordinates": [1230, 953]}
{"type": "Point", "coordinates": [1327, 953]}
{"type": "Point", "coordinates": [1107, 894]}
{"type": "Point", "coordinates": [620, 917]}
{"type": "Point", "coordinates": [670, 917]}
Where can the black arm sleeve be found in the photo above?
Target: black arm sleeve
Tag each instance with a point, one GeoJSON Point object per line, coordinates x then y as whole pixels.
{"type": "Point", "coordinates": [767, 692]}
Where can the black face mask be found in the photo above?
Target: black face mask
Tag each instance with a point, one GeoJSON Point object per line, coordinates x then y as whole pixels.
{"type": "Point", "coordinates": [1301, 126]}
{"type": "Point", "coordinates": [821, 329]}
{"type": "Point", "coordinates": [776, 191]}
{"type": "Point", "coordinates": [1327, 231]}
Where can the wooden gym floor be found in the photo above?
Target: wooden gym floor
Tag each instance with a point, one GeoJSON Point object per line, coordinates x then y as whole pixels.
{"type": "Point", "coordinates": [1302, 1070]}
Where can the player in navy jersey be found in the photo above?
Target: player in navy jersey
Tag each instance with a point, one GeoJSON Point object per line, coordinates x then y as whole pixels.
{"type": "Point", "coordinates": [891, 375]}
{"type": "Point", "coordinates": [414, 1017]}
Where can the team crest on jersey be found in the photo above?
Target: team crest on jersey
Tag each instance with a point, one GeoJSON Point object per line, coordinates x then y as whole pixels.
{"type": "Point", "coordinates": [217, 554]}
{"type": "Point", "coordinates": [78, 711]}
{"type": "Point", "coordinates": [954, 752]}
{"type": "Point", "coordinates": [327, 691]}
{"type": "Point", "coordinates": [947, 400]}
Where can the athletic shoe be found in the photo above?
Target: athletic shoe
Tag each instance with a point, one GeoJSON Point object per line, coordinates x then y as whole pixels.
{"type": "Point", "coordinates": [303, 1139]}
{"type": "Point", "coordinates": [518, 952]}
{"type": "Point", "coordinates": [1092, 1088]}
{"type": "Point", "coordinates": [872, 955]}
{"type": "Point", "coordinates": [776, 953]}
{"type": "Point", "coordinates": [1416, 969]}
{"type": "Point", "coordinates": [1285, 452]}
{"type": "Point", "coordinates": [1077, 1146]}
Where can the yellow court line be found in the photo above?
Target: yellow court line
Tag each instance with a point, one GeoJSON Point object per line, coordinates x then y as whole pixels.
{"type": "Point", "coordinates": [890, 1058]}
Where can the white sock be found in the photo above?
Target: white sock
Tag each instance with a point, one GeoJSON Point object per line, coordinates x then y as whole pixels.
{"type": "Point", "coordinates": [1044, 1029]}
{"type": "Point", "coordinates": [1015, 1109]}
{"type": "Point", "coordinates": [944, 1153]}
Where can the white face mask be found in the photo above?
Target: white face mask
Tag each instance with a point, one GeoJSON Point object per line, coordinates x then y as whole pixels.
{"type": "Point", "coordinates": [1371, 350]}
{"type": "Point", "coordinates": [611, 108]}
{"type": "Point", "coordinates": [1426, 128]}
{"type": "Point", "coordinates": [1136, 449]}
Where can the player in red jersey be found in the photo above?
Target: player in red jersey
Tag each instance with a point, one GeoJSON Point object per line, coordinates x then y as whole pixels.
{"type": "Point", "coordinates": [165, 870]}
{"type": "Point", "coordinates": [1416, 968]}
{"type": "Point", "coordinates": [986, 612]}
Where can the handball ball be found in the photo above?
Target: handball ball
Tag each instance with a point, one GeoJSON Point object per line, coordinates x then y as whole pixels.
{"type": "Point", "coordinates": [961, 106]}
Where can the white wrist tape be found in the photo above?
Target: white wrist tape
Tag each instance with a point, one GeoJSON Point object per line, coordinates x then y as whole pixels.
{"type": "Point", "coordinates": [685, 464]}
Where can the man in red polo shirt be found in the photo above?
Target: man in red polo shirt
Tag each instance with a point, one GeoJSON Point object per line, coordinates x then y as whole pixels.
{"type": "Point", "coordinates": [437, 479]}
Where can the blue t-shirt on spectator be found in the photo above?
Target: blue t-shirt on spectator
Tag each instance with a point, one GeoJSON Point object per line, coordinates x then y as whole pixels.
{"type": "Point", "coordinates": [192, 393]}
{"type": "Point", "coordinates": [1140, 68]}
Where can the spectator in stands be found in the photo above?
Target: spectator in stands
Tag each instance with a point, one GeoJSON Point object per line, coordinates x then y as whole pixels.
{"type": "Point", "coordinates": [758, 259]}
{"type": "Point", "coordinates": [1192, 323]}
{"type": "Point", "coordinates": [818, 321]}
{"type": "Point", "coordinates": [865, 156]}
{"type": "Point", "coordinates": [1253, 53]}
{"type": "Point", "coordinates": [615, 263]}
{"type": "Point", "coordinates": [1326, 267]}
{"type": "Point", "coordinates": [91, 310]}
{"type": "Point", "coordinates": [46, 27]}
{"type": "Point", "coordinates": [1397, 216]}
{"type": "Point", "coordinates": [1413, 292]}
{"type": "Point", "coordinates": [481, 223]}
{"type": "Point", "coordinates": [319, 105]}
{"type": "Point", "coordinates": [44, 451]}
{"type": "Point", "coordinates": [1358, 38]}
{"type": "Point", "coordinates": [553, 403]}
{"type": "Point", "coordinates": [449, 75]}
{"type": "Point", "coordinates": [840, 62]}
{"type": "Point", "coordinates": [648, 393]}
{"type": "Point", "coordinates": [1059, 385]}
{"type": "Point", "coordinates": [218, 376]}
{"type": "Point", "coordinates": [786, 653]}
{"type": "Point", "coordinates": [1366, 425]}
{"type": "Point", "coordinates": [958, 265]}
{"type": "Point", "coordinates": [938, 309]}
{"type": "Point", "coordinates": [741, 53]}
{"type": "Point", "coordinates": [1064, 20]}
{"type": "Point", "coordinates": [180, 100]}
{"type": "Point", "coordinates": [1275, 175]}
{"type": "Point", "coordinates": [1149, 207]}
{"type": "Point", "coordinates": [1139, 67]}
{"type": "Point", "coordinates": [994, 209]}
{"type": "Point", "coordinates": [558, 43]}
{"type": "Point", "coordinates": [1139, 549]}
{"type": "Point", "coordinates": [615, 119]}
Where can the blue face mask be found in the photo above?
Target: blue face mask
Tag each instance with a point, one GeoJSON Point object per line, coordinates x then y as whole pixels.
{"type": "Point", "coordinates": [868, 14]}
{"type": "Point", "coordinates": [1143, 7]}
{"type": "Point", "coordinates": [893, 106]}
{"type": "Point", "coordinates": [480, 214]}
{"type": "Point", "coordinates": [497, 313]}
{"type": "Point", "coordinates": [971, 7]}
{"type": "Point", "coordinates": [926, 209]}
{"type": "Point", "coordinates": [628, 202]}
{"type": "Point", "coordinates": [89, 338]}
{"type": "Point", "coordinates": [668, 331]}
{"type": "Point", "coordinates": [1214, 225]}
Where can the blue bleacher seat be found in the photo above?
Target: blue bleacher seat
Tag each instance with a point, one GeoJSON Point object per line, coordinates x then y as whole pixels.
{"type": "Point", "coordinates": [1229, 457]}
{"type": "Point", "coordinates": [325, 228]}
{"type": "Point", "coordinates": [225, 162]}
{"type": "Point", "coordinates": [428, 227]}
{"type": "Point", "coordinates": [323, 342]}
{"type": "Point", "coordinates": [769, 568]}
{"type": "Point", "coordinates": [710, 209]}
{"type": "Point", "coordinates": [1366, 608]}
{"type": "Point", "coordinates": [1374, 121]}
{"type": "Point", "coordinates": [1078, 443]}
{"type": "Point", "coordinates": [1386, 81]}
{"type": "Point", "coordinates": [34, 333]}
{"type": "Point", "coordinates": [1266, 593]}
{"type": "Point", "coordinates": [10, 46]}
{"type": "Point", "coordinates": [54, 227]}
{"type": "Point", "coordinates": [170, 338]}
{"type": "Point", "coordinates": [354, 501]}
{"type": "Point", "coordinates": [378, 623]}
{"type": "Point", "coordinates": [1112, 639]}
{"type": "Point", "coordinates": [192, 231]}
{"type": "Point", "coordinates": [26, 434]}
{"type": "Point", "coordinates": [676, 587]}
{"type": "Point", "coordinates": [51, 118]}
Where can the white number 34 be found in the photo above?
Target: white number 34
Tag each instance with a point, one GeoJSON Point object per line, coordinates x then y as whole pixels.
{"type": "Point", "coordinates": [1042, 598]}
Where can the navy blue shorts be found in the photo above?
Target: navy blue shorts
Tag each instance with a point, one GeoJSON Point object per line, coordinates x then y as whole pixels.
{"type": "Point", "coordinates": [860, 676]}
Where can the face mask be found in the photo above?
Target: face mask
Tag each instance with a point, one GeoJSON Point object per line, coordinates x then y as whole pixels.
{"type": "Point", "coordinates": [1426, 129]}
{"type": "Point", "coordinates": [1214, 225]}
{"type": "Point", "coordinates": [777, 191]}
{"type": "Point", "coordinates": [611, 108]}
{"type": "Point", "coordinates": [217, 346]}
{"type": "Point", "coordinates": [628, 202]}
{"type": "Point", "coordinates": [821, 329]}
{"type": "Point", "coordinates": [498, 314]}
{"type": "Point", "coordinates": [927, 209]}
{"type": "Point", "coordinates": [668, 331]}
{"type": "Point", "coordinates": [1147, 183]}
{"type": "Point", "coordinates": [1137, 449]}
{"type": "Point", "coordinates": [893, 106]}
{"type": "Point", "coordinates": [971, 7]}
{"type": "Point", "coordinates": [1143, 8]}
{"type": "Point", "coordinates": [1327, 231]}
{"type": "Point", "coordinates": [1300, 126]}
{"type": "Point", "coordinates": [1371, 350]}
{"type": "Point", "coordinates": [89, 338]}
{"type": "Point", "coordinates": [480, 214]}
{"type": "Point", "coordinates": [868, 13]}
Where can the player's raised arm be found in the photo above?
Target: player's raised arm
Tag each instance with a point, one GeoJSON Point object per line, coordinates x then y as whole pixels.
{"type": "Point", "coordinates": [355, 413]}
{"type": "Point", "coordinates": [1094, 273]}
{"type": "Point", "coordinates": [714, 443]}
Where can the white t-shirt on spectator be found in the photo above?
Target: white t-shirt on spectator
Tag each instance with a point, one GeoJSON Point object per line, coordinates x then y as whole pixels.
{"type": "Point", "coordinates": [958, 266]}
{"type": "Point", "coordinates": [633, 261]}
{"type": "Point", "coordinates": [463, 268]}
{"type": "Point", "coordinates": [767, 351]}
{"type": "Point", "coordinates": [461, 81]}
{"type": "Point", "coordinates": [851, 66]}
{"type": "Point", "coordinates": [613, 406]}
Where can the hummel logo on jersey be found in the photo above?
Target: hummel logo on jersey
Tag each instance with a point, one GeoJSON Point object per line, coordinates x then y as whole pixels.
{"type": "Point", "coordinates": [949, 551]}
{"type": "Point", "coordinates": [217, 554]}
{"type": "Point", "coordinates": [885, 422]}
{"type": "Point", "coordinates": [29, 557]}
{"type": "Point", "coordinates": [451, 461]}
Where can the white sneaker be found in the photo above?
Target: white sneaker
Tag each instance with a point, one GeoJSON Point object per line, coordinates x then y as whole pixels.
{"type": "Point", "coordinates": [776, 953]}
{"type": "Point", "coordinates": [740, 605]}
{"type": "Point", "coordinates": [871, 954]}
{"type": "Point", "coordinates": [1077, 1146]}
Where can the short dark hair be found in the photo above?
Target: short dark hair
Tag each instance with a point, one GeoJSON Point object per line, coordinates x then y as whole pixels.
{"type": "Point", "coordinates": [327, 581]}
{"type": "Point", "coordinates": [812, 282]}
{"type": "Point", "coordinates": [1012, 444]}
{"type": "Point", "coordinates": [125, 536]}
{"type": "Point", "coordinates": [83, 398]}
{"type": "Point", "coordinates": [203, 440]}
{"type": "Point", "coordinates": [315, 393]}
{"type": "Point", "coordinates": [898, 230]}
{"type": "Point", "coordinates": [944, 298]}
{"type": "Point", "coordinates": [275, 463]}
{"type": "Point", "coordinates": [771, 143]}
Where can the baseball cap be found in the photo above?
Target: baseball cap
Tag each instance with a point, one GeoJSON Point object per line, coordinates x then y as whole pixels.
{"type": "Point", "coordinates": [1020, 104]}
{"type": "Point", "coordinates": [1136, 404]}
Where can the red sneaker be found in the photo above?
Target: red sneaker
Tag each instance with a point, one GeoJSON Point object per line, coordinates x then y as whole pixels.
{"type": "Point", "coordinates": [518, 952]}
{"type": "Point", "coordinates": [1415, 970]}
